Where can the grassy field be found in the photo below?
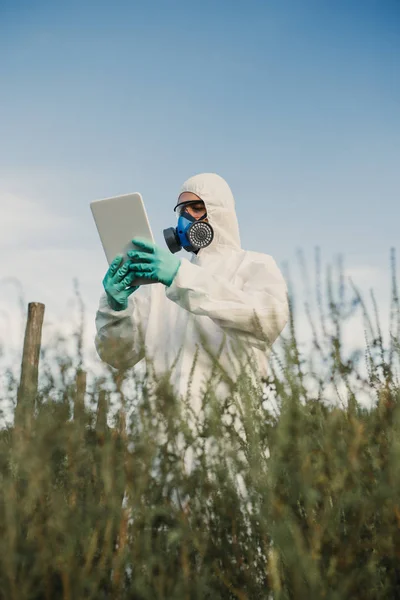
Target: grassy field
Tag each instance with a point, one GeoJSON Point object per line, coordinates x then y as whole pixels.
{"type": "Point", "coordinates": [301, 501]}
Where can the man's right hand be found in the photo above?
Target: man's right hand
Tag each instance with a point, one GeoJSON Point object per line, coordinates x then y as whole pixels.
{"type": "Point", "coordinates": [116, 283]}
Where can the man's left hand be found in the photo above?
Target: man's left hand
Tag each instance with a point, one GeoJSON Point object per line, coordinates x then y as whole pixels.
{"type": "Point", "coordinates": [153, 263]}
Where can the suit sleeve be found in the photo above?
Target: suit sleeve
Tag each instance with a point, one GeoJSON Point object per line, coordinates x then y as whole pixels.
{"type": "Point", "coordinates": [120, 334]}
{"type": "Point", "coordinates": [257, 313]}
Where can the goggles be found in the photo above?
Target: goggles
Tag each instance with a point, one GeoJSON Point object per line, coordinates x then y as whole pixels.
{"type": "Point", "coordinates": [181, 206]}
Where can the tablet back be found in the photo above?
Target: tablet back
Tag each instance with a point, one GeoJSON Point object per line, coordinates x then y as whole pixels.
{"type": "Point", "coordinates": [118, 220]}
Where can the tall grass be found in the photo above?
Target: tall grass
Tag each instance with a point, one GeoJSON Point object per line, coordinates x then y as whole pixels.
{"type": "Point", "coordinates": [290, 494]}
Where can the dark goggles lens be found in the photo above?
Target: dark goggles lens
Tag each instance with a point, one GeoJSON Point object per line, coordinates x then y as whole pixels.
{"type": "Point", "coordinates": [179, 208]}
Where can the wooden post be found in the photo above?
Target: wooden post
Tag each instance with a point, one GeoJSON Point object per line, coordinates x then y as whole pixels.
{"type": "Point", "coordinates": [101, 417]}
{"type": "Point", "coordinates": [79, 405]}
{"type": "Point", "coordinates": [30, 358]}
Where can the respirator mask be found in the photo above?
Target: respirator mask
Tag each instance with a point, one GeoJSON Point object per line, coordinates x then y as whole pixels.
{"type": "Point", "coordinates": [191, 234]}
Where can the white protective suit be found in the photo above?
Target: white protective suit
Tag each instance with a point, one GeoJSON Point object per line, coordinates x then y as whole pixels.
{"type": "Point", "coordinates": [214, 297]}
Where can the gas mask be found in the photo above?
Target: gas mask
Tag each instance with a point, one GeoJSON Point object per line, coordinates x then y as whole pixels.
{"type": "Point", "coordinates": [191, 234]}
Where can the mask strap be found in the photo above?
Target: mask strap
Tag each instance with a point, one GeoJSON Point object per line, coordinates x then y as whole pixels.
{"type": "Point", "coordinates": [185, 215]}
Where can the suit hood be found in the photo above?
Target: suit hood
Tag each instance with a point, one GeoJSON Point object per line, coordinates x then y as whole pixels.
{"type": "Point", "coordinates": [220, 204]}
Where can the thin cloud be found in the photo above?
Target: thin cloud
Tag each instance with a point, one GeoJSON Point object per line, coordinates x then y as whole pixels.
{"type": "Point", "coordinates": [23, 220]}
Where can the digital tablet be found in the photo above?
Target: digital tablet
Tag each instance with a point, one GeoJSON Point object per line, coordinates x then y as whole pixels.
{"type": "Point", "coordinates": [119, 219]}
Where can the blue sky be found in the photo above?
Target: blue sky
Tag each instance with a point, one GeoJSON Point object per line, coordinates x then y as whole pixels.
{"type": "Point", "coordinates": [296, 104]}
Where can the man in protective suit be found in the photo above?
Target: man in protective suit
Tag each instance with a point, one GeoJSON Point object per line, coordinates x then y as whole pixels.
{"type": "Point", "coordinates": [222, 297]}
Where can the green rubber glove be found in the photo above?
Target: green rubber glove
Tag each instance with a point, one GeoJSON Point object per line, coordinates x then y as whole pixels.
{"type": "Point", "coordinates": [116, 282]}
{"type": "Point", "coordinates": [153, 263]}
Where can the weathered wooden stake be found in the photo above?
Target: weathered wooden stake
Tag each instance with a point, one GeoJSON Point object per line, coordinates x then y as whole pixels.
{"type": "Point", "coordinates": [79, 405]}
{"type": "Point", "coordinates": [101, 417]}
{"type": "Point", "coordinates": [30, 358]}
